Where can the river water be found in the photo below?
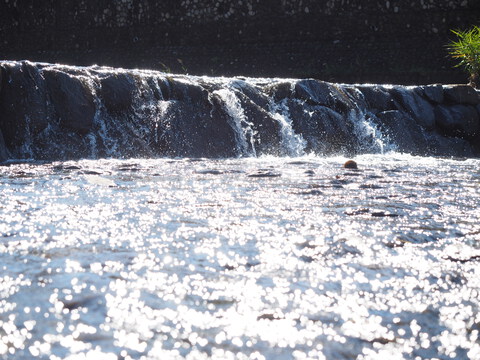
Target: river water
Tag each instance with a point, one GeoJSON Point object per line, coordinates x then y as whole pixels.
{"type": "Point", "coordinates": [248, 258]}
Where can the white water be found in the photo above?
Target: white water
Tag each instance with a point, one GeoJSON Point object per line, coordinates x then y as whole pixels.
{"type": "Point", "coordinates": [244, 132]}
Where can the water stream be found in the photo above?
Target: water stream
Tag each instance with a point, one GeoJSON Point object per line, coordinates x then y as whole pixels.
{"type": "Point", "coordinates": [241, 258]}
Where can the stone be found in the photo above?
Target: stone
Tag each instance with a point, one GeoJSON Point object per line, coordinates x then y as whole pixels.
{"type": "Point", "coordinates": [279, 90]}
{"type": "Point", "coordinates": [117, 92]}
{"type": "Point", "coordinates": [267, 129]}
{"type": "Point", "coordinates": [403, 131]}
{"type": "Point", "coordinates": [3, 149]}
{"type": "Point", "coordinates": [315, 92]}
{"type": "Point", "coordinates": [23, 103]}
{"type": "Point", "coordinates": [377, 98]}
{"type": "Point", "coordinates": [458, 120]}
{"type": "Point", "coordinates": [434, 93]}
{"type": "Point", "coordinates": [350, 164]}
{"type": "Point", "coordinates": [187, 91]}
{"type": "Point", "coordinates": [416, 106]}
{"type": "Point", "coordinates": [461, 94]}
{"type": "Point", "coordinates": [72, 100]}
{"type": "Point", "coordinates": [439, 145]}
{"type": "Point", "coordinates": [324, 130]}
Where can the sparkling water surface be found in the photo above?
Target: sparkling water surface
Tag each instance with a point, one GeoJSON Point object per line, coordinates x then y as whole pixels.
{"type": "Point", "coordinates": [253, 258]}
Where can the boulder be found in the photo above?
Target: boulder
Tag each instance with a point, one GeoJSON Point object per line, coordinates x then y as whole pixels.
{"type": "Point", "coordinates": [377, 98]}
{"type": "Point", "coordinates": [434, 93]}
{"type": "Point", "coordinates": [186, 91]}
{"type": "Point", "coordinates": [458, 121]}
{"type": "Point", "coordinates": [3, 149]}
{"type": "Point", "coordinates": [72, 100]}
{"type": "Point", "coordinates": [403, 131]}
{"type": "Point", "coordinates": [439, 145]}
{"type": "Point", "coordinates": [266, 128]}
{"type": "Point", "coordinates": [253, 93]}
{"type": "Point", "coordinates": [117, 92]}
{"type": "Point", "coordinates": [315, 92]}
{"type": "Point", "coordinates": [461, 94]}
{"type": "Point", "coordinates": [279, 90]}
{"type": "Point", "coordinates": [23, 103]}
{"type": "Point", "coordinates": [324, 130]}
{"type": "Point", "coordinates": [416, 106]}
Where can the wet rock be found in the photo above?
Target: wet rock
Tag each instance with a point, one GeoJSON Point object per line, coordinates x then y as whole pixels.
{"type": "Point", "coordinates": [263, 173]}
{"type": "Point", "coordinates": [23, 104]}
{"type": "Point", "coordinates": [461, 94]}
{"type": "Point", "coordinates": [187, 129]}
{"type": "Point", "coordinates": [350, 164]}
{"type": "Point", "coordinates": [458, 120]}
{"type": "Point", "coordinates": [266, 128]}
{"type": "Point", "coordinates": [438, 145]}
{"type": "Point", "coordinates": [325, 130]}
{"type": "Point", "coordinates": [252, 93]}
{"type": "Point", "coordinates": [72, 100]}
{"type": "Point", "coordinates": [279, 91]}
{"type": "Point", "coordinates": [377, 98]}
{"type": "Point", "coordinates": [187, 91]}
{"type": "Point", "coordinates": [117, 92]}
{"type": "Point", "coordinates": [3, 149]}
{"type": "Point", "coordinates": [403, 131]}
{"type": "Point", "coordinates": [417, 107]}
{"type": "Point", "coordinates": [316, 92]}
{"type": "Point", "coordinates": [434, 93]}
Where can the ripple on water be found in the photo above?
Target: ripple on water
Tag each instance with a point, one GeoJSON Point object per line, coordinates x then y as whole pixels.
{"type": "Point", "coordinates": [240, 258]}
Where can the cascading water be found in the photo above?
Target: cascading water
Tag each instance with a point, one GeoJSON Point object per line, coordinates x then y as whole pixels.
{"type": "Point", "coordinates": [165, 218]}
{"type": "Point", "coordinates": [244, 133]}
{"type": "Point", "coordinates": [62, 112]}
{"type": "Point", "coordinates": [292, 144]}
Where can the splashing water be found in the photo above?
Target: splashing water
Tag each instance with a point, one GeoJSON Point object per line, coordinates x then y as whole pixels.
{"type": "Point", "coordinates": [244, 133]}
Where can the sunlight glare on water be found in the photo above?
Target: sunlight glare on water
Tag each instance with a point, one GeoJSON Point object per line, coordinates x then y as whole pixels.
{"type": "Point", "coordinates": [268, 258]}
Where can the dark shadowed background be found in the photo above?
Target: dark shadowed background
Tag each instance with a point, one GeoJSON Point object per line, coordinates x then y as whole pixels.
{"type": "Point", "coordinates": [375, 41]}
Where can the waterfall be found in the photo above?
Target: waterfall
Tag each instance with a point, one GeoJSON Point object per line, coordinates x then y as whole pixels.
{"type": "Point", "coordinates": [244, 133]}
{"type": "Point", "coordinates": [59, 112]}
